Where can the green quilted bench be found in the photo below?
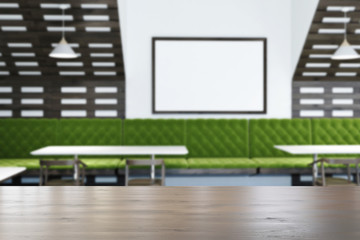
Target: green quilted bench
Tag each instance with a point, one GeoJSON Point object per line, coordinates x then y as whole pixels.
{"type": "Point", "coordinates": [21, 136]}
{"type": "Point", "coordinates": [336, 132]}
{"type": "Point", "coordinates": [218, 144]}
{"type": "Point", "coordinates": [33, 164]}
{"type": "Point", "coordinates": [266, 133]}
{"type": "Point", "coordinates": [157, 132]}
{"type": "Point", "coordinates": [222, 144]}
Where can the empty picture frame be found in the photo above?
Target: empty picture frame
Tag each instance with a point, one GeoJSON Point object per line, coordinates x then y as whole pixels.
{"type": "Point", "coordinates": [209, 75]}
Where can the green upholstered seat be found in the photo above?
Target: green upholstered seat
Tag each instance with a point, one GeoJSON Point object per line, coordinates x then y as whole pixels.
{"type": "Point", "coordinates": [196, 163]}
{"type": "Point", "coordinates": [97, 163]}
{"type": "Point", "coordinates": [92, 163]}
{"type": "Point", "coordinates": [103, 163]}
{"type": "Point", "coordinates": [285, 162]}
{"type": "Point", "coordinates": [18, 137]}
{"type": "Point", "coordinates": [217, 138]}
{"type": "Point", "coordinates": [337, 165]}
{"type": "Point", "coordinates": [30, 164]}
{"type": "Point", "coordinates": [175, 163]}
{"type": "Point", "coordinates": [265, 133]}
{"type": "Point", "coordinates": [170, 163]}
{"type": "Point", "coordinates": [293, 162]}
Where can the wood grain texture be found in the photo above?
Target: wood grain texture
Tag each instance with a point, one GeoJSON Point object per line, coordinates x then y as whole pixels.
{"type": "Point", "coordinates": [179, 213]}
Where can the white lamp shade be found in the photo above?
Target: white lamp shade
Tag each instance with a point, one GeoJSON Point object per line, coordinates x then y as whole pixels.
{"type": "Point", "coordinates": [63, 50]}
{"type": "Point", "coordinates": [345, 52]}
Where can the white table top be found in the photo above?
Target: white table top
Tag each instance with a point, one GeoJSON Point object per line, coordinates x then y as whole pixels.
{"type": "Point", "coordinates": [110, 150]}
{"type": "Point", "coordinates": [8, 172]}
{"type": "Point", "coordinates": [320, 149]}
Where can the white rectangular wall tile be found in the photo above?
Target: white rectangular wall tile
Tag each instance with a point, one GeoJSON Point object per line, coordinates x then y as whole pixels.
{"type": "Point", "coordinates": [106, 89]}
{"type": "Point", "coordinates": [105, 113]}
{"type": "Point", "coordinates": [73, 113]}
{"type": "Point", "coordinates": [312, 113]}
{"type": "Point", "coordinates": [32, 113]}
{"type": "Point", "coordinates": [6, 89]}
{"type": "Point", "coordinates": [5, 113]}
{"type": "Point", "coordinates": [73, 101]}
{"type": "Point", "coordinates": [343, 101]}
{"type": "Point", "coordinates": [33, 101]}
{"type": "Point", "coordinates": [106, 101]}
{"type": "Point", "coordinates": [342, 90]}
{"type": "Point", "coordinates": [32, 89]}
{"type": "Point", "coordinates": [312, 90]}
{"type": "Point", "coordinates": [6, 101]}
{"type": "Point", "coordinates": [342, 113]}
{"type": "Point", "coordinates": [312, 101]}
{"type": "Point", "coordinates": [73, 89]}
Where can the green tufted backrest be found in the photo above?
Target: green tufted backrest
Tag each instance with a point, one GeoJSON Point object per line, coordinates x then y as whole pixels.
{"type": "Point", "coordinates": [265, 133]}
{"type": "Point", "coordinates": [154, 132]}
{"type": "Point", "coordinates": [18, 137]}
{"type": "Point", "coordinates": [217, 137]}
{"type": "Point", "coordinates": [90, 132]}
{"type": "Point", "coordinates": [203, 137]}
{"type": "Point", "coordinates": [336, 131]}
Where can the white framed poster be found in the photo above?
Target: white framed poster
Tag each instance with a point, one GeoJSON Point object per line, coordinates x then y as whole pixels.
{"type": "Point", "coordinates": [209, 75]}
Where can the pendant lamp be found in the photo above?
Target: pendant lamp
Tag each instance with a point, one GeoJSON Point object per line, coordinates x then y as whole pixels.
{"type": "Point", "coordinates": [345, 51]}
{"type": "Point", "coordinates": [63, 49]}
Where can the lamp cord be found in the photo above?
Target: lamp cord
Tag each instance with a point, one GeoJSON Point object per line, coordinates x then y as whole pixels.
{"type": "Point", "coordinates": [63, 23]}
{"type": "Point", "coordinates": [345, 26]}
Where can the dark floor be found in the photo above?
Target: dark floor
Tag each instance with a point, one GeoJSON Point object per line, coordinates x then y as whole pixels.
{"type": "Point", "coordinates": [204, 180]}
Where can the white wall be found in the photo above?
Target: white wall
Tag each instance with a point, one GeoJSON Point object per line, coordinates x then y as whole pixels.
{"type": "Point", "coordinates": [143, 19]}
{"type": "Point", "coordinates": [302, 12]}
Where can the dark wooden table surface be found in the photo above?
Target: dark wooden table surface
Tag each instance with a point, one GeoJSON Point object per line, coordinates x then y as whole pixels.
{"type": "Point", "coordinates": [179, 213]}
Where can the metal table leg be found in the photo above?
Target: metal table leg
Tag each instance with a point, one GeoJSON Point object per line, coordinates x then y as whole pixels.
{"type": "Point", "coordinates": [152, 175]}
{"type": "Point", "coordinates": [76, 170]}
{"type": "Point", "coordinates": [314, 169]}
{"type": "Point", "coordinates": [357, 174]}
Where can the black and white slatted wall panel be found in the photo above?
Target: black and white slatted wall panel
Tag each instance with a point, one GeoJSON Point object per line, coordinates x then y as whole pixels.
{"type": "Point", "coordinates": [326, 99]}
{"type": "Point", "coordinates": [323, 87]}
{"type": "Point", "coordinates": [34, 85]}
